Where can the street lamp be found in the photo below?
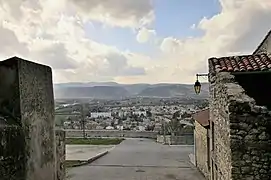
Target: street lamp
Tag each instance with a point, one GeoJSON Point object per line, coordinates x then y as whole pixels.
{"type": "Point", "coordinates": [197, 86]}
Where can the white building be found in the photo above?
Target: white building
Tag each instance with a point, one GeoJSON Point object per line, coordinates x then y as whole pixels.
{"type": "Point", "coordinates": [140, 128]}
{"type": "Point", "coordinates": [140, 112]}
{"type": "Point", "coordinates": [119, 127]}
{"type": "Point", "coordinates": [100, 114]}
{"type": "Point", "coordinates": [109, 128]}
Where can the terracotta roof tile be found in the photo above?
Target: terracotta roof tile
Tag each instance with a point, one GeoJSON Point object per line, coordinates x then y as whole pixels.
{"type": "Point", "coordinates": [202, 117]}
{"type": "Point", "coordinates": [256, 62]}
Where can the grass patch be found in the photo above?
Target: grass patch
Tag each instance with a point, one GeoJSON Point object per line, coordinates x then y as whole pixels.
{"type": "Point", "coordinates": [94, 141]}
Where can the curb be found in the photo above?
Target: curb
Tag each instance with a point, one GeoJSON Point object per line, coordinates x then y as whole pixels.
{"type": "Point", "coordinates": [82, 163]}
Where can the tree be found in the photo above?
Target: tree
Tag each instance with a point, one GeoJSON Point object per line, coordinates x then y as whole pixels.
{"type": "Point", "coordinates": [186, 115]}
{"type": "Point", "coordinates": [174, 127]}
{"type": "Point", "coordinates": [150, 127]}
{"type": "Point", "coordinates": [176, 115]}
{"type": "Point", "coordinates": [148, 113]}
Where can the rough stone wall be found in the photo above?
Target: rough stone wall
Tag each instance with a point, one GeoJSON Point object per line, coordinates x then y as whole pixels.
{"type": "Point", "coordinates": [27, 102]}
{"type": "Point", "coordinates": [250, 138]}
{"type": "Point", "coordinates": [242, 132]}
{"type": "Point", "coordinates": [111, 133]}
{"type": "Point", "coordinates": [12, 153]}
{"type": "Point", "coordinates": [60, 154]}
{"type": "Point", "coordinates": [177, 140]}
{"type": "Point", "coordinates": [201, 149]}
{"type": "Point", "coordinates": [163, 139]}
{"type": "Point", "coordinates": [265, 46]}
{"type": "Point", "coordinates": [220, 152]}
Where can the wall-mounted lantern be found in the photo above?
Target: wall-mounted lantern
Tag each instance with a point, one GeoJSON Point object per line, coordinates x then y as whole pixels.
{"type": "Point", "coordinates": [197, 86]}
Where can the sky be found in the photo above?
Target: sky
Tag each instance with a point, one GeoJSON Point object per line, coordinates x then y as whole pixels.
{"type": "Point", "coordinates": [130, 41]}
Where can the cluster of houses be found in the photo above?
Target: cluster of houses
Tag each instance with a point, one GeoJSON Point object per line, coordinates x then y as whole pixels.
{"type": "Point", "coordinates": [232, 136]}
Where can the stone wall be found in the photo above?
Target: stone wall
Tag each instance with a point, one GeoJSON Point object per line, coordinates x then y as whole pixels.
{"type": "Point", "coordinates": [250, 138]}
{"type": "Point", "coordinates": [201, 149]}
{"type": "Point", "coordinates": [12, 153]}
{"type": "Point", "coordinates": [60, 154]}
{"type": "Point", "coordinates": [265, 46]}
{"type": "Point", "coordinates": [177, 140]}
{"type": "Point", "coordinates": [242, 132]}
{"type": "Point", "coordinates": [187, 139]}
{"type": "Point", "coordinates": [220, 123]}
{"type": "Point", "coordinates": [27, 105]}
{"type": "Point", "coordinates": [111, 133]}
{"type": "Point", "coordinates": [163, 139]}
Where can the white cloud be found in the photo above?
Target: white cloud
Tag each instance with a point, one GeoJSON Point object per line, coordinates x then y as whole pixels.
{"type": "Point", "coordinates": [170, 45]}
{"type": "Point", "coordinates": [144, 35]}
{"type": "Point", "coordinates": [128, 13]}
{"type": "Point", "coordinates": [237, 29]}
{"type": "Point", "coordinates": [52, 32]}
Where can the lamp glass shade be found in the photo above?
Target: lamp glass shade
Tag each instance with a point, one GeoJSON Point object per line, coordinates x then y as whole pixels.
{"type": "Point", "coordinates": [197, 87]}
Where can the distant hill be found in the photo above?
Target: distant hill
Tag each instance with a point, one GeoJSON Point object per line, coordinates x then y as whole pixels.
{"type": "Point", "coordinates": [112, 90]}
{"type": "Point", "coordinates": [99, 92]}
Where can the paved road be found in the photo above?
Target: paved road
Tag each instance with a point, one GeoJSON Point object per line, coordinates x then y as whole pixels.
{"type": "Point", "coordinates": [140, 159]}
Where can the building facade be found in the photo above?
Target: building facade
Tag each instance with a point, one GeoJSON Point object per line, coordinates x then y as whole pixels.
{"type": "Point", "coordinates": [202, 142]}
{"type": "Point", "coordinates": [240, 118]}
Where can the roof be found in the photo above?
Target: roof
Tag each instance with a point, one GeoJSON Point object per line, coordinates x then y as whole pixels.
{"type": "Point", "coordinates": [256, 62]}
{"type": "Point", "coordinates": [202, 117]}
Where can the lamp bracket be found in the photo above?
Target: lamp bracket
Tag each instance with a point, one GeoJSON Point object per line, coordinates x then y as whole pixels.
{"type": "Point", "coordinates": [202, 75]}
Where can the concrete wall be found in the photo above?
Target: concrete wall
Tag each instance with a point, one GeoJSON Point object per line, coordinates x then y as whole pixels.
{"type": "Point", "coordinates": [60, 154]}
{"type": "Point", "coordinates": [111, 133]}
{"type": "Point", "coordinates": [201, 154]}
{"type": "Point", "coordinates": [241, 132]}
{"type": "Point", "coordinates": [27, 105]}
{"type": "Point", "coordinates": [177, 140]}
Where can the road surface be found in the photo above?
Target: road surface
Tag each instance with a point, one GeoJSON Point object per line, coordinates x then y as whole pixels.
{"type": "Point", "coordinates": [140, 159]}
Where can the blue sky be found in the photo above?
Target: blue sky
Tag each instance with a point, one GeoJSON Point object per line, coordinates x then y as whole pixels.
{"type": "Point", "coordinates": [188, 12]}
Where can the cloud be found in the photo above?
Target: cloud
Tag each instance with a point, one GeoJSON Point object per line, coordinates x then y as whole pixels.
{"type": "Point", "coordinates": [116, 64]}
{"type": "Point", "coordinates": [237, 29]}
{"type": "Point", "coordinates": [128, 13]}
{"type": "Point", "coordinates": [56, 55]}
{"type": "Point", "coordinates": [170, 45]}
{"type": "Point", "coordinates": [52, 32]}
{"type": "Point", "coordinates": [10, 44]}
{"type": "Point", "coordinates": [144, 35]}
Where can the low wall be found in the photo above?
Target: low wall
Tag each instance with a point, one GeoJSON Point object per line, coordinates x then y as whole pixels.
{"type": "Point", "coordinates": [111, 133]}
{"type": "Point", "coordinates": [60, 154]}
{"type": "Point", "coordinates": [187, 139]}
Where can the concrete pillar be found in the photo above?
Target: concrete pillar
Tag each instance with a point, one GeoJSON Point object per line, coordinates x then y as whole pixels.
{"type": "Point", "coordinates": [27, 137]}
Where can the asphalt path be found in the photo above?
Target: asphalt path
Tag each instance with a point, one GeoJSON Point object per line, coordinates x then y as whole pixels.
{"type": "Point", "coordinates": [140, 159]}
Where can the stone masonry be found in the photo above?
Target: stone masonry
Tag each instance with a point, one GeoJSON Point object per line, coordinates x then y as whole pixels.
{"type": "Point", "coordinates": [242, 144]}
{"type": "Point", "coordinates": [111, 133]}
{"type": "Point", "coordinates": [186, 139]}
{"type": "Point", "coordinates": [27, 148]}
{"type": "Point", "coordinates": [60, 154]}
{"type": "Point", "coordinates": [265, 46]}
{"type": "Point", "coordinates": [201, 149]}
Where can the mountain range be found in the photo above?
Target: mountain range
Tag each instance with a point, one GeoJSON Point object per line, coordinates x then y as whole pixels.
{"type": "Point", "coordinates": [113, 90]}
